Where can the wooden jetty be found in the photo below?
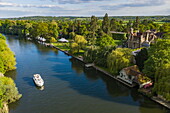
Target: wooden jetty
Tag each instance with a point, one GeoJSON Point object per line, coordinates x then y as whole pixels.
{"type": "Point", "coordinates": [89, 65]}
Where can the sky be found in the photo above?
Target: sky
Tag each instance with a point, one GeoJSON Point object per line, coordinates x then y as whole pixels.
{"type": "Point", "coordinates": [21, 8]}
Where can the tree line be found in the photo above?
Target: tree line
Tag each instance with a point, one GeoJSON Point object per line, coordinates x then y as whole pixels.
{"type": "Point", "coordinates": [94, 37]}
{"type": "Point", "coordinates": [91, 28]}
{"type": "Point", "coordinates": [8, 91]}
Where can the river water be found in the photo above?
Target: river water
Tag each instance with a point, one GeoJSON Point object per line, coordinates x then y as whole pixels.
{"type": "Point", "coordinates": [69, 87]}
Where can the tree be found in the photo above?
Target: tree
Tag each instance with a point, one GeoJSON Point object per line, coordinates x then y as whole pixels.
{"type": "Point", "coordinates": [105, 41]}
{"type": "Point", "coordinates": [8, 61]}
{"type": "Point", "coordinates": [53, 29]}
{"type": "Point", "coordinates": [113, 25]}
{"type": "Point", "coordinates": [8, 91]}
{"type": "Point", "coordinates": [141, 57]}
{"type": "Point", "coordinates": [162, 87]}
{"type": "Point", "coordinates": [39, 29]}
{"type": "Point", "coordinates": [119, 59]}
{"type": "Point", "coordinates": [97, 55]}
{"type": "Point", "coordinates": [137, 22]}
{"type": "Point", "coordinates": [52, 40]}
{"type": "Point", "coordinates": [79, 43]}
{"type": "Point", "coordinates": [106, 24]}
{"type": "Point", "coordinates": [2, 69]}
{"type": "Point", "coordinates": [74, 48]}
{"type": "Point", "coordinates": [72, 35]}
{"type": "Point", "coordinates": [158, 55]}
{"type": "Point", "coordinates": [157, 67]}
{"type": "Point", "coordinates": [93, 28]}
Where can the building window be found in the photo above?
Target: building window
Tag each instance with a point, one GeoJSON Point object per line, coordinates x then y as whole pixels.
{"type": "Point", "coordinates": [121, 75]}
{"type": "Point", "coordinates": [130, 77]}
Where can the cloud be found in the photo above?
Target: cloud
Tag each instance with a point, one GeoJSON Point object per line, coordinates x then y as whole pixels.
{"type": "Point", "coordinates": [4, 4]}
{"type": "Point", "coordinates": [75, 1]}
{"type": "Point", "coordinates": [134, 3]}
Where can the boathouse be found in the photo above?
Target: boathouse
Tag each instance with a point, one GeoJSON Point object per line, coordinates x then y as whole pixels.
{"type": "Point", "coordinates": [132, 75]}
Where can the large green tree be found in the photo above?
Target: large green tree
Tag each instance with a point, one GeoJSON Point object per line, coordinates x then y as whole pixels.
{"type": "Point", "coordinates": [158, 55]}
{"type": "Point", "coordinates": [141, 57]}
{"type": "Point", "coordinates": [8, 91]}
{"type": "Point", "coordinates": [105, 41]}
{"type": "Point", "coordinates": [119, 59]}
{"type": "Point", "coordinates": [79, 43]}
{"type": "Point", "coordinates": [106, 24]}
{"type": "Point", "coordinates": [93, 29]}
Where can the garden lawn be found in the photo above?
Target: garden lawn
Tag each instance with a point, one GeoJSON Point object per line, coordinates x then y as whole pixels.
{"type": "Point", "coordinates": [62, 46]}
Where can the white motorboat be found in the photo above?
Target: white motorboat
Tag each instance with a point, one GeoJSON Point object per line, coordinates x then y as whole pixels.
{"type": "Point", "coordinates": [38, 80]}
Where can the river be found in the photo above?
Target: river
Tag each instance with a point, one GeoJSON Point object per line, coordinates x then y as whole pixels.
{"type": "Point", "coordinates": [69, 87]}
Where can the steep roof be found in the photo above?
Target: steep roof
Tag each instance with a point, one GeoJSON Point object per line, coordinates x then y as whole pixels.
{"type": "Point", "coordinates": [132, 70]}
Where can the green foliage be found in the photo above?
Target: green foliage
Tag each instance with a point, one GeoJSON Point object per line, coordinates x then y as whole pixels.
{"type": "Point", "coordinates": [165, 28]}
{"type": "Point", "coordinates": [7, 59]}
{"type": "Point", "coordinates": [2, 69]}
{"type": "Point", "coordinates": [97, 55]}
{"type": "Point", "coordinates": [116, 25]}
{"type": "Point", "coordinates": [74, 48]}
{"type": "Point", "coordinates": [119, 59]}
{"type": "Point", "coordinates": [8, 91]}
{"type": "Point", "coordinates": [53, 29]}
{"type": "Point", "coordinates": [105, 41]}
{"type": "Point", "coordinates": [158, 67]}
{"type": "Point", "coordinates": [2, 37]}
{"type": "Point", "coordinates": [162, 87]}
{"type": "Point", "coordinates": [90, 55]}
{"type": "Point", "coordinates": [141, 57]}
{"type": "Point", "coordinates": [72, 35]}
{"type": "Point", "coordinates": [158, 55]}
{"type": "Point", "coordinates": [52, 40]}
{"type": "Point", "coordinates": [106, 24]}
{"type": "Point", "coordinates": [79, 43]}
{"type": "Point", "coordinates": [119, 36]}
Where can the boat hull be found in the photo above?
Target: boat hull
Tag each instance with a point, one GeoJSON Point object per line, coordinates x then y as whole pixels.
{"type": "Point", "coordinates": [38, 80]}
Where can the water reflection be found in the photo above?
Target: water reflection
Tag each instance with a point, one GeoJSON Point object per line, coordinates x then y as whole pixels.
{"type": "Point", "coordinates": [118, 92]}
{"type": "Point", "coordinates": [76, 65]}
{"type": "Point", "coordinates": [13, 106]}
{"type": "Point", "coordinates": [40, 88]}
{"type": "Point", "coordinates": [84, 86]}
{"type": "Point", "coordinates": [91, 74]}
{"type": "Point", "coordinates": [29, 81]}
{"type": "Point", "coordinates": [45, 50]}
{"type": "Point", "coordinates": [12, 74]}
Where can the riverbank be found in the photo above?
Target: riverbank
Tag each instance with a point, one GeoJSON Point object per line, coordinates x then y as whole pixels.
{"type": "Point", "coordinates": [8, 90]}
{"type": "Point", "coordinates": [4, 108]}
{"type": "Point", "coordinates": [155, 99]}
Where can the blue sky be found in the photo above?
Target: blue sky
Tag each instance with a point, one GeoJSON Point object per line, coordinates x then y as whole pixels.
{"type": "Point", "coordinates": [20, 8]}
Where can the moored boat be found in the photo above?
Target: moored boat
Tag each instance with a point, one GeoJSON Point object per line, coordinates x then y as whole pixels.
{"type": "Point", "coordinates": [38, 80]}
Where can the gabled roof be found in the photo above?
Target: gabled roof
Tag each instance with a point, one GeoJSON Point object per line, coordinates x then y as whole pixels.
{"type": "Point", "coordinates": [140, 78]}
{"type": "Point", "coordinates": [132, 70]}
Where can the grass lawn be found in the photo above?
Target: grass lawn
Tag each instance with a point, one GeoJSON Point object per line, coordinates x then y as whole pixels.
{"type": "Point", "coordinates": [160, 23]}
{"type": "Point", "coordinates": [81, 53]}
{"type": "Point", "coordinates": [65, 47]}
{"type": "Point", "coordinates": [62, 46]}
{"type": "Point", "coordinates": [118, 42]}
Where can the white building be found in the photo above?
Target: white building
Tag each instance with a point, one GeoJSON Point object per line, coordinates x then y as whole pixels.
{"type": "Point", "coordinates": [133, 75]}
{"type": "Point", "coordinates": [63, 40]}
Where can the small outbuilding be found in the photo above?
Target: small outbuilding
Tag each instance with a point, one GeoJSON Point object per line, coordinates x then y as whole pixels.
{"type": "Point", "coordinates": [133, 75]}
{"type": "Point", "coordinates": [63, 40]}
